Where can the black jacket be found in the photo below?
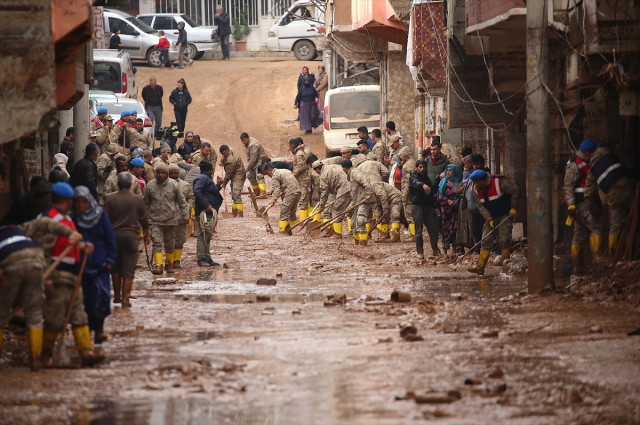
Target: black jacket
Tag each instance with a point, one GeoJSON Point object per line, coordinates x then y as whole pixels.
{"type": "Point", "coordinates": [84, 174]}
{"type": "Point", "coordinates": [180, 99]}
{"type": "Point", "coordinates": [182, 37]}
{"type": "Point", "coordinates": [206, 193]}
{"type": "Point", "coordinates": [222, 21]}
{"type": "Point", "coordinates": [416, 191]}
{"type": "Point", "coordinates": [151, 96]}
{"type": "Point", "coordinates": [301, 78]}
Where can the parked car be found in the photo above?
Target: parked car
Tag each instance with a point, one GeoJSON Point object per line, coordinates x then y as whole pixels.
{"type": "Point", "coordinates": [201, 39]}
{"type": "Point", "coordinates": [297, 31]}
{"type": "Point", "coordinates": [113, 71]}
{"type": "Point", "coordinates": [346, 109]}
{"type": "Point", "coordinates": [115, 105]}
{"type": "Point", "coordinates": [138, 38]}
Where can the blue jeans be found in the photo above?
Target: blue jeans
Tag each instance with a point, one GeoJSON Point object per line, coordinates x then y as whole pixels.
{"type": "Point", "coordinates": [224, 44]}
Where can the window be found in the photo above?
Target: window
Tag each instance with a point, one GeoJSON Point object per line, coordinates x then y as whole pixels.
{"type": "Point", "coordinates": [165, 23]}
{"type": "Point", "coordinates": [125, 29]}
{"type": "Point", "coordinates": [146, 19]}
{"type": "Point", "coordinates": [106, 76]}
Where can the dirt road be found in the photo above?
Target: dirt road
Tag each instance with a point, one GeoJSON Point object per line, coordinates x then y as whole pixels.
{"type": "Point", "coordinates": [229, 97]}
{"type": "Point", "coordinates": [325, 345]}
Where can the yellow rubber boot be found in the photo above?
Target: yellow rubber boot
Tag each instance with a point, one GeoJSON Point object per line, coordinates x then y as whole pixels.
{"type": "Point", "coordinates": [293, 222]}
{"type": "Point", "coordinates": [304, 214]}
{"type": "Point", "coordinates": [48, 342]}
{"type": "Point", "coordinates": [337, 229]}
{"type": "Point", "coordinates": [262, 187]}
{"type": "Point", "coordinates": [395, 232]}
{"type": "Point", "coordinates": [595, 241]}
{"type": "Point", "coordinates": [157, 263]}
{"type": "Point", "coordinates": [506, 253]}
{"type": "Point", "coordinates": [613, 244]}
{"type": "Point", "coordinates": [412, 229]}
{"type": "Point", "coordinates": [384, 228]}
{"type": "Point", "coordinates": [282, 225]}
{"type": "Point", "coordinates": [482, 262]}
{"type": "Point", "coordinates": [256, 189]}
{"type": "Point", "coordinates": [364, 237]}
{"type": "Point", "coordinates": [82, 335]}
{"type": "Point", "coordinates": [349, 229]}
{"type": "Point", "coordinates": [368, 227]}
{"type": "Point", "coordinates": [240, 210]}
{"type": "Point", "coordinates": [356, 238]}
{"type": "Point", "coordinates": [177, 256]}
{"type": "Point", "coordinates": [317, 217]}
{"type": "Point", "coordinates": [168, 262]}
{"type": "Point", "coordinates": [234, 210]}
{"type": "Point", "coordinates": [35, 348]}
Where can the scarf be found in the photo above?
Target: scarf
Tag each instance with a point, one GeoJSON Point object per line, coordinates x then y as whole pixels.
{"type": "Point", "coordinates": [455, 179]}
{"type": "Point", "coordinates": [91, 216]}
{"type": "Point", "coordinates": [318, 80]}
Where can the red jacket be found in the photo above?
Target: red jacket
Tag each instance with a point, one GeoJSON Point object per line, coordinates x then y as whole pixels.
{"type": "Point", "coordinates": [163, 43]}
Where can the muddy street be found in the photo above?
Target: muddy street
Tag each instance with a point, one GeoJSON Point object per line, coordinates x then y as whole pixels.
{"type": "Point", "coordinates": [303, 330]}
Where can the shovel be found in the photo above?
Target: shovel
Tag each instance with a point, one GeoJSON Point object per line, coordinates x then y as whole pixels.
{"type": "Point", "coordinates": [454, 265]}
{"type": "Point", "coordinates": [252, 195]}
{"type": "Point", "coordinates": [306, 220]}
{"type": "Point", "coordinates": [264, 215]}
{"type": "Point", "coordinates": [340, 216]}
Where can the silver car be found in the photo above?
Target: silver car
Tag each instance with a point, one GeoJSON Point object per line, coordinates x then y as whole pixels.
{"type": "Point", "coordinates": [138, 39]}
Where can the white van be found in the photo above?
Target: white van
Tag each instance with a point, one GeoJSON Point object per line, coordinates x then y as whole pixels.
{"type": "Point", "coordinates": [114, 72]}
{"type": "Point", "coordinates": [346, 109]}
{"type": "Point", "coordinates": [297, 31]}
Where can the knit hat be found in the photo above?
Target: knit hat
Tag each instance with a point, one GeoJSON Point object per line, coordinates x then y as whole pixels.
{"type": "Point", "coordinates": [187, 133]}
{"type": "Point", "coordinates": [137, 162]}
{"type": "Point", "coordinates": [137, 153]}
{"type": "Point", "coordinates": [165, 148]}
{"type": "Point", "coordinates": [161, 166]}
{"type": "Point", "coordinates": [63, 190]}
{"type": "Point", "coordinates": [316, 164]}
{"type": "Point", "coordinates": [478, 175]}
{"type": "Point", "coordinates": [102, 110]}
{"type": "Point", "coordinates": [174, 168]}
{"type": "Point", "coordinates": [345, 149]}
{"type": "Point", "coordinates": [588, 145]}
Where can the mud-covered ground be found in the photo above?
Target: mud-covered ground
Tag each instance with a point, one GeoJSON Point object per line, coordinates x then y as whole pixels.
{"type": "Point", "coordinates": [325, 345]}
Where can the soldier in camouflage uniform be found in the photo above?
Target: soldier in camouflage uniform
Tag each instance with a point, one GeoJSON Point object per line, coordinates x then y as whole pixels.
{"type": "Point", "coordinates": [181, 229]}
{"type": "Point", "coordinates": [234, 173]}
{"type": "Point", "coordinates": [105, 134]}
{"type": "Point", "coordinates": [167, 209]}
{"type": "Point", "coordinates": [379, 148]}
{"type": "Point", "coordinates": [497, 199]}
{"type": "Point", "coordinates": [64, 279]}
{"type": "Point", "coordinates": [334, 190]}
{"type": "Point", "coordinates": [140, 138]}
{"type": "Point", "coordinates": [122, 166]}
{"type": "Point", "coordinates": [360, 191]}
{"type": "Point", "coordinates": [255, 153]}
{"type": "Point", "coordinates": [22, 263]}
{"type": "Point", "coordinates": [363, 148]}
{"type": "Point", "coordinates": [105, 164]}
{"type": "Point", "coordinates": [585, 224]}
{"type": "Point", "coordinates": [388, 210]}
{"type": "Point", "coordinates": [286, 186]}
{"type": "Point", "coordinates": [301, 173]}
{"type": "Point", "coordinates": [374, 170]}
{"type": "Point", "coordinates": [206, 153]}
{"type": "Point", "coordinates": [408, 162]}
{"type": "Point", "coordinates": [611, 180]}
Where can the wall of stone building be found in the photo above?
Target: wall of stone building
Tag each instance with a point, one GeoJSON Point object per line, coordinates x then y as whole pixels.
{"type": "Point", "coordinates": [401, 95]}
{"type": "Point", "coordinates": [21, 160]}
{"type": "Point", "coordinates": [477, 138]}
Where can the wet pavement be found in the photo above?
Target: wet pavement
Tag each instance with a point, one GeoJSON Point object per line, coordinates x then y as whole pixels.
{"type": "Point", "coordinates": [324, 345]}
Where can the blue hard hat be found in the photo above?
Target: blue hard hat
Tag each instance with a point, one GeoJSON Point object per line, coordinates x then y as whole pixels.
{"type": "Point", "coordinates": [588, 145]}
{"type": "Point", "coordinates": [102, 110]}
{"type": "Point", "coordinates": [137, 162]}
{"type": "Point", "coordinates": [478, 175]}
{"type": "Point", "coordinates": [63, 190]}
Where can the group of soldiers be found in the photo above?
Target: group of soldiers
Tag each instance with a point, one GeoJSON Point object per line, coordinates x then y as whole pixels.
{"type": "Point", "coordinates": [595, 177]}
{"type": "Point", "coordinates": [127, 131]}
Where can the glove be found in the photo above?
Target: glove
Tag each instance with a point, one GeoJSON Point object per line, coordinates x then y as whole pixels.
{"type": "Point", "coordinates": [491, 223]}
{"type": "Point", "coordinates": [512, 212]}
{"type": "Point", "coordinates": [571, 209]}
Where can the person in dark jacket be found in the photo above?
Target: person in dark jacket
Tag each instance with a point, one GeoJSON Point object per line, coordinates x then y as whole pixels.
{"type": "Point", "coordinates": [152, 95]}
{"type": "Point", "coordinates": [85, 171]}
{"type": "Point", "coordinates": [282, 165]}
{"type": "Point", "coordinates": [66, 147]}
{"type": "Point", "coordinates": [182, 44]}
{"type": "Point", "coordinates": [224, 30]}
{"type": "Point", "coordinates": [305, 74]}
{"type": "Point", "coordinates": [29, 205]}
{"type": "Point", "coordinates": [94, 225]}
{"type": "Point", "coordinates": [208, 201]}
{"type": "Point", "coordinates": [306, 101]}
{"type": "Point", "coordinates": [421, 194]}
{"type": "Point", "coordinates": [114, 42]}
{"type": "Point", "coordinates": [180, 98]}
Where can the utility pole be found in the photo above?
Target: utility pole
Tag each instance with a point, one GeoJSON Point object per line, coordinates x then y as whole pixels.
{"type": "Point", "coordinates": [539, 224]}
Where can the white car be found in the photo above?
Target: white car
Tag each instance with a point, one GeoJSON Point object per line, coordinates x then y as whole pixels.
{"type": "Point", "coordinates": [200, 39]}
{"type": "Point", "coordinates": [115, 105]}
{"type": "Point", "coordinates": [297, 30]}
{"type": "Point", "coordinates": [346, 109]}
